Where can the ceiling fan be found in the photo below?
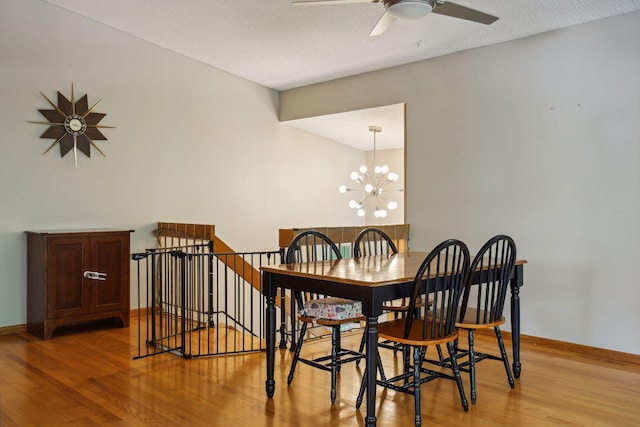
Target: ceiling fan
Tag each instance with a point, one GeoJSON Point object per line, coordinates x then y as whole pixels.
{"type": "Point", "coordinates": [410, 9]}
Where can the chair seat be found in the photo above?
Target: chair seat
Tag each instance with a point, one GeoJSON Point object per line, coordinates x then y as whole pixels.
{"type": "Point", "coordinates": [400, 305]}
{"type": "Point", "coordinates": [394, 330]}
{"type": "Point", "coordinates": [470, 316]}
{"type": "Point", "coordinates": [331, 322]}
{"type": "Point", "coordinates": [332, 308]}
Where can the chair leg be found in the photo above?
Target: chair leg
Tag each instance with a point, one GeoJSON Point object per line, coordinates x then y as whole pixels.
{"type": "Point", "coordinates": [417, 362]}
{"type": "Point", "coordinates": [363, 387]}
{"type": "Point", "coordinates": [363, 342]}
{"type": "Point", "coordinates": [406, 358]}
{"type": "Point", "coordinates": [335, 345]}
{"type": "Point", "coordinates": [363, 384]}
{"type": "Point", "coordinates": [296, 354]}
{"type": "Point", "coordinates": [472, 366]}
{"type": "Point", "coordinates": [456, 373]}
{"type": "Point", "coordinates": [505, 358]}
{"type": "Point", "coordinates": [293, 322]}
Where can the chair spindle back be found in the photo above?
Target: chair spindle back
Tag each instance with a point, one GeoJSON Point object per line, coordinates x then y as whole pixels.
{"type": "Point", "coordinates": [311, 246]}
{"type": "Point", "coordinates": [442, 273]}
{"type": "Point", "coordinates": [373, 241]}
{"type": "Point", "coordinates": [494, 263]}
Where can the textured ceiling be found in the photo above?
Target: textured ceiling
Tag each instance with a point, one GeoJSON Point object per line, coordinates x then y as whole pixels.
{"type": "Point", "coordinates": [281, 46]}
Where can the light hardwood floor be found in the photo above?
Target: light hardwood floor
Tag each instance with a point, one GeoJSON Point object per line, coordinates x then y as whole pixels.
{"type": "Point", "coordinates": [88, 378]}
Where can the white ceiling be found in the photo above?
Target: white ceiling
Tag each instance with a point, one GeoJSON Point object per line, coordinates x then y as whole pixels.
{"type": "Point", "coordinates": [281, 46]}
{"type": "Point", "coordinates": [352, 128]}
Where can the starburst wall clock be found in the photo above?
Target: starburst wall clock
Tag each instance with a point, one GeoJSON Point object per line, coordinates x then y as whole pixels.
{"type": "Point", "coordinates": [73, 125]}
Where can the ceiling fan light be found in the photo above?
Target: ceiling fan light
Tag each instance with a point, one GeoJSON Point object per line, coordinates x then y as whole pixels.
{"type": "Point", "coordinates": [409, 9]}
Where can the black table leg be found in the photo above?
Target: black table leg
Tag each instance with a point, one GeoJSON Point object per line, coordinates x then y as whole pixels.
{"type": "Point", "coordinates": [270, 314]}
{"type": "Point", "coordinates": [516, 282]}
{"type": "Point", "coordinates": [372, 369]}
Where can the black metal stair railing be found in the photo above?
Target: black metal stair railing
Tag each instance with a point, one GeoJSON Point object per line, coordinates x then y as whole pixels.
{"type": "Point", "coordinates": [196, 303]}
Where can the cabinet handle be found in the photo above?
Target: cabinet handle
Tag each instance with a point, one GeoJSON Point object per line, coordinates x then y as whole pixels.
{"type": "Point", "coordinates": [95, 275]}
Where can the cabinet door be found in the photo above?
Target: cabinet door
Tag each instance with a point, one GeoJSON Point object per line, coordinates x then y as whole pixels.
{"type": "Point", "coordinates": [110, 255]}
{"type": "Point", "coordinates": [67, 295]}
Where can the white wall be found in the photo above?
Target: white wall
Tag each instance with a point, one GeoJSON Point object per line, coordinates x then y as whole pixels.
{"type": "Point", "coordinates": [538, 138]}
{"type": "Point", "coordinates": [191, 144]}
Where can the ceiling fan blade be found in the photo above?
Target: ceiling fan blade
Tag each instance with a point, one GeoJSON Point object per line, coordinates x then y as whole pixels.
{"type": "Point", "coordinates": [383, 24]}
{"type": "Point", "coordinates": [462, 12]}
{"type": "Point", "coordinates": [325, 2]}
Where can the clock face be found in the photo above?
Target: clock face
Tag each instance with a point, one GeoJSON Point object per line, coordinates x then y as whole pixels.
{"type": "Point", "coordinates": [73, 125]}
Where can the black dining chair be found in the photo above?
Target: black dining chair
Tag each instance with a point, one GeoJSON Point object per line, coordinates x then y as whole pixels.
{"type": "Point", "coordinates": [442, 274]}
{"type": "Point", "coordinates": [483, 303]}
{"type": "Point", "coordinates": [373, 241]}
{"type": "Point", "coordinates": [310, 246]}
{"type": "Point", "coordinates": [370, 242]}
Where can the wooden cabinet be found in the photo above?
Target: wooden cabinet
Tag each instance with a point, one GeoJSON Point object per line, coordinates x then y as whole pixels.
{"type": "Point", "coordinates": [76, 277]}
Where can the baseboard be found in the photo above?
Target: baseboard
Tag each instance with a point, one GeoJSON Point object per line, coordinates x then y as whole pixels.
{"type": "Point", "coordinates": [11, 330]}
{"type": "Point", "coordinates": [583, 350]}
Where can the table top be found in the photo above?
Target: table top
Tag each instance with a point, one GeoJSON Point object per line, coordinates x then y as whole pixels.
{"type": "Point", "coordinates": [369, 271]}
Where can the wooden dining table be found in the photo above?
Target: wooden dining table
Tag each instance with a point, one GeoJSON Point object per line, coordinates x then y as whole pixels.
{"type": "Point", "coordinates": [371, 280]}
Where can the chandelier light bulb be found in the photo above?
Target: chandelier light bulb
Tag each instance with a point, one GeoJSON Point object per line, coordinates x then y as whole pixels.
{"type": "Point", "coordinates": [380, 213]}
{"type": "Point", "coordinates": [354, 176]}
{"type": "Point", "coordinates": [392, 205]}
{"type": "Point", "coordinates": [342, 189]}
{"type": "Point", "coordinates": [368, 188]}
{"type": "Point", "coordinates": [360, 212]}
{"type": "Point", "coordinates": [393, 177]}
{"type": "Point", "coordinates": [384, 169]}
{"type": "Point", "coordinates": [377, 169]}
{"type": "Point", "coordinates": [363, 169]}
{"type": "Point", "coordinates": [353, 204]}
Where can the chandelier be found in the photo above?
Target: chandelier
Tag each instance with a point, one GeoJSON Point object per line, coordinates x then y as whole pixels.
{"type": "Point", "coordinates": [372, 185]}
